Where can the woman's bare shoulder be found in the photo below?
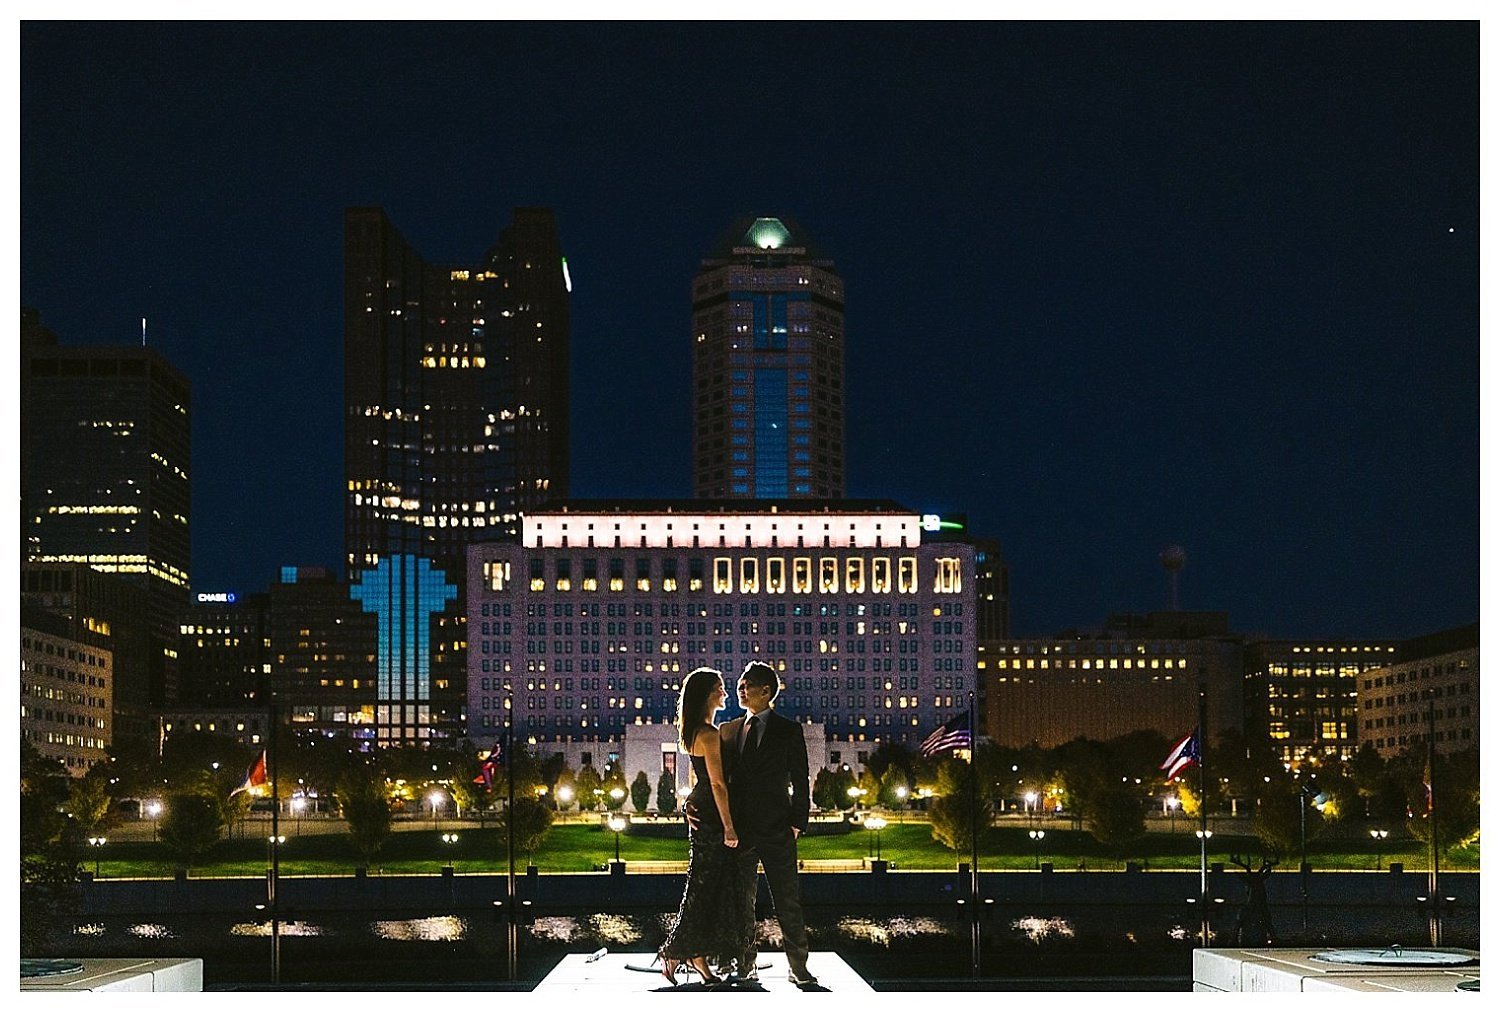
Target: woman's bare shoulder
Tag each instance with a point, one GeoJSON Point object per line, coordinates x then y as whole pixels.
{"type": "Point", "coordinates": [704, 738]}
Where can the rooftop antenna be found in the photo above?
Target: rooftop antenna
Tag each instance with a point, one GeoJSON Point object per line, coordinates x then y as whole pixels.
{"type": "Point", "coordinates": [1173, 558]}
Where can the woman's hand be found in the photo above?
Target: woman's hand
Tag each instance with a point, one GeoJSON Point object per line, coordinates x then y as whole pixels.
{"type": "Point", "coordinates": [730, 839]}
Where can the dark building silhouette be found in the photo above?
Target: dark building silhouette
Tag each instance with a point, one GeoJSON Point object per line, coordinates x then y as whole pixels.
{"type": "Point", "coordinates": [456, 421]}
{"type": "Point", "coordinates": [222, 652]}
{"type": "Point", "coordinates": [768, 367]}
{"type": "Point", "coordinates": [105, 459]}
{"type": "Point", "coordinates": [321, 647]}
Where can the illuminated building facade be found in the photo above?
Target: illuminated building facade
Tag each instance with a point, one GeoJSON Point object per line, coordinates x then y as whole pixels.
{"type": "Point", "coordinates": [322, 653]}
{"type": "Point", "coordinates": [1303, 696]}
{"type": "Point", "coordinates": [456, 415]}
{"type": "Point", "coordinates": [106, 611]}
{"type": "Point", "coordinates": [589, 625]}
{"type": "Point", "coordinates": [67, 689]}
{"type": "Point", "coordinates": [222, 651]}
{"type": "Point", "coordinates": [1441, 671]}
{"type": "Point", "coordinates": [768, 367]}
{"type": "Point", "coordinates": [1137, 673]}
{"type": "Point", "coordinates": [105, 447]}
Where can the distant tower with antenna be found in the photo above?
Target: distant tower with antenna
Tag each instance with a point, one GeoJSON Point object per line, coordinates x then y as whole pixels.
{"type": "Point", "coordinates": [1172, 558]}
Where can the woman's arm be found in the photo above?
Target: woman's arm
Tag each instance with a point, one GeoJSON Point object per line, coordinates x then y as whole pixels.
{"type": "Point", "coordinates": [713, 759]}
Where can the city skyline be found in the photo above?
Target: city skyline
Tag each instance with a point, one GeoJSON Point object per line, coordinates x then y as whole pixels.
{"type": "Point", "coordinates": [1107, 287]}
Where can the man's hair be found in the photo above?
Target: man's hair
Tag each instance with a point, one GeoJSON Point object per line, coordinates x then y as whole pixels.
{"type": "Point", "coordinates": [761, 674]}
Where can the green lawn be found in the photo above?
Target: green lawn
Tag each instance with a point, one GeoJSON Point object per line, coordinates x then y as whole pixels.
{"type": "Point", "coordinates": [576, 847]}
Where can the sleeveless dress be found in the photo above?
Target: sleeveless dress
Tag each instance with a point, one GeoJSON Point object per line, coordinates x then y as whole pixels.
{"type": "Point", "coordinates": [711, 920]}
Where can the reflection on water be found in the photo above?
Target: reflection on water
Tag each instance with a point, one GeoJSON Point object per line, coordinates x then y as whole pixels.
{"type": "Point", "coordinates": [350, 946]}
{"type": "Point", "coordinates": [557, 929]}
{"type": "Point", "coordinates": [615, 929]}
{"type": "Point", "coordinates": [880, 931]}
{"type": "Point", "coordinates": [1038, 928]}
{"type": "Point", "coordinates": [151, 931]}
{"type": "Point", "coordinates": [422, 929]}
{"type": "Point", "coordinates": [262, 929]}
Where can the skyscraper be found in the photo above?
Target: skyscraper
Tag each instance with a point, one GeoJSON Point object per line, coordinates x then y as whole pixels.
{"type": "Point", "coordinates": [768, 367]}
{"type": "Point", "coordinates": [105, 445]}
{"type": "Point", "coordinates": [456, 420]}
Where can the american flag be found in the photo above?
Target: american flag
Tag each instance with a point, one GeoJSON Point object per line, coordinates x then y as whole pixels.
{"type": "Point", "coordinates": [1186, 752]}
{"type": "Point", "coordinates": [954, 734]}
{"type": "Point", "coordinates": [488, 766]}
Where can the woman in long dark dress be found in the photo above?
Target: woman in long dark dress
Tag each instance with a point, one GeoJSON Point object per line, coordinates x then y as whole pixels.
{"type": "Point", "coordinates": [711, 925]}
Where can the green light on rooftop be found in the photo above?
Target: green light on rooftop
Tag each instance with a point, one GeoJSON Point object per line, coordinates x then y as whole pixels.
{"type": "Point", "coordinates": [768, 233]}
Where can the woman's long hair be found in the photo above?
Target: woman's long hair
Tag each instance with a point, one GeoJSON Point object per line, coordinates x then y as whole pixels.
{"type": "Point", "coordinates": [692, 703]}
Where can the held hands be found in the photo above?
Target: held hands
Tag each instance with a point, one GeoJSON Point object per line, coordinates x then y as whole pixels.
{"type": "Point", "coordinates": [690, 813]}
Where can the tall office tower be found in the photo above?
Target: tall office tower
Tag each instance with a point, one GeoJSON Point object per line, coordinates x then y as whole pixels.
{"type": "Point", "coordinates": [105, 445]}
{"type": "Point", "coordinates": [322, 653]}
{"type": "Point", "coordinates": [456, 409]}
{"type": "Point", "coordinates": [221, 651]}
{"type": "Point", "coordinates": [768, 367]}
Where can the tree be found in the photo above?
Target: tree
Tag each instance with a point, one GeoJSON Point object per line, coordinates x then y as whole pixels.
{"type": "Point", "coordinates": [640, 792]}
{"type": "Point", "coordinates": [50, 846]}
{"type": "Point", "coordinates": [831, 789]}
{"type": "Point", "coordinates": [532, 821]}
{"type": "Point", "coordinates": [588, 782]}
{"type": "Point", "coordinates": [469, 796]}
{"type": "Point", "coordinates": [1278, 819]}
{"type": "Point", "coordinates": [191, 827]}
{"type": "Point", "coordinates": [953, 812]}
{"type": "Point", "coordinates": [895, 787]}
{"type": "Point", "coordinates": [363, 806]}
{"type": "Point", "coordinates": [613, 782]}
{"type": "Point", "coordinates": [890, 754]}
{"type": "Point", "coordinates": [88, 802]}
{"type": "Point", "coordinates": [666, 793]}
{"type": "Point", "coordinates": [1116, 818]}
{"type": "Point", "coordinates": [1455, 797]}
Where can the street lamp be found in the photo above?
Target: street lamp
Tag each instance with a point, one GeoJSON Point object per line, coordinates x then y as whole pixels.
{"type": "Point", "coordinates": [435, 799]}
{"type": "Point", "coordinates": [618, 824]}
{"type": "Point", "coordinates": [1031, 801]}
{"type": "Point", "coordinates": [618, 794]}
{"type": "Point", "coordinates": [97, 842]}
{"type": "Point", "coordinates": [564, 795]}
{"type": "Point", "coordinates": [449, 839]}
{"type": "Point", "coordinates": [272, 842]}
{"type": "Point", "coordinates": [298, 803]}
{"type": "Point", "coordinates": [1379, 835]}
{"type": "Point", "coordinates": [1172, 804]}
{"type": "Point", "coordinates": [876, 823]}
{"type": "Point", "coordinates": [153, 809]}
{"type": "Point", "coordinates": [1036, 846]}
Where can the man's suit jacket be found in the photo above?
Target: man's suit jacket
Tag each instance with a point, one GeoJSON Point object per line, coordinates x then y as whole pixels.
{"type": "Point", "coordinates": [768, 785]}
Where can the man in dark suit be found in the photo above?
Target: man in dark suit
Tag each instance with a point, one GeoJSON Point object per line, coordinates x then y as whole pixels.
{"type": "Point", "coordinates": [765, 762]}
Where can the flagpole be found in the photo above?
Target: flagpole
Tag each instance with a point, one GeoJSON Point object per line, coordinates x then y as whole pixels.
{"type": "Point", "coordinates": [1203, 810]}
{"type": "Point", "coordinates": [272, 769]}
{"type": "Point", "coordinates": [510, 839]}
{"type": "Point", "coordinates": [973, 838]}
{"type": "Point", "coordinates": [1434, 912]}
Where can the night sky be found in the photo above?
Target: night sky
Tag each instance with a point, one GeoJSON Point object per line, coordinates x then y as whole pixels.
{"type": "Point", "coordinates": [1109, 287]}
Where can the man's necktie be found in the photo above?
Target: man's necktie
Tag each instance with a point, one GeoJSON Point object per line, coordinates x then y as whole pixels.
{"type": "Point", "coordinates": [750, 736]}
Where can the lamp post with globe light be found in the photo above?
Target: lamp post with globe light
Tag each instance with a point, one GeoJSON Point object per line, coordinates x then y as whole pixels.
{"type": "Point", "coordinates": [1036, 846]}
{"type": "Point", "coordinates": [1379, 835]}
{"type": "Point", "coordinates": [1172, 805]}
{"type": "Point", "coordinates": [97, 843]}
{"type": "Point", "coordinates": [617, 823]}
{"type": "Point", "coordinates": [876, 823]}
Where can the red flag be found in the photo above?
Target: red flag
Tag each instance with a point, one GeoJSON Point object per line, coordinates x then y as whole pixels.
{"type": "Point", "coordinates": [254, 776]}
{"type": "Point", "coordinates": [488, 766]}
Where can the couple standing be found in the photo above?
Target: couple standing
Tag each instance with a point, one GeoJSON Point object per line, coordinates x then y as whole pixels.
{"type": "Point", "coordinates": [748, 806]}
